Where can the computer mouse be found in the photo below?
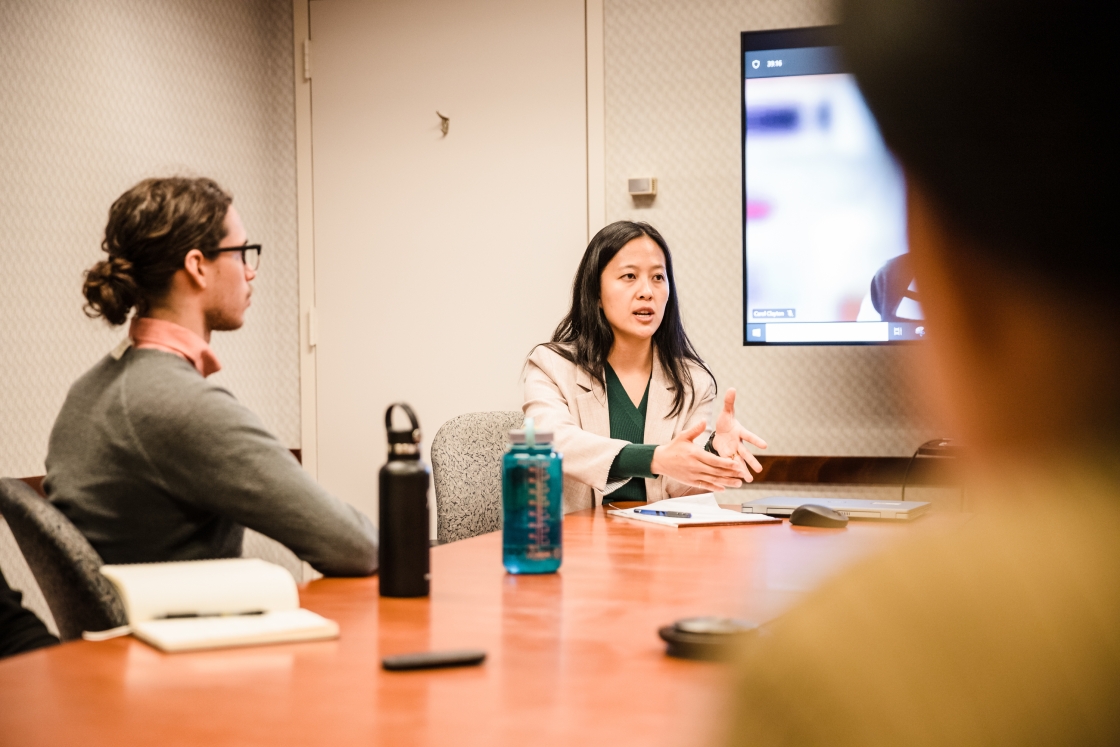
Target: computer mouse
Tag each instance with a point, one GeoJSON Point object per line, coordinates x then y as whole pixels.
{"type": "Point", "coordinates": [810, 515]}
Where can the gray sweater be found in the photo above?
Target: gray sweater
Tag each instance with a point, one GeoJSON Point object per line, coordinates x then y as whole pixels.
{"type": "Point", "coordinates": [152, 462]}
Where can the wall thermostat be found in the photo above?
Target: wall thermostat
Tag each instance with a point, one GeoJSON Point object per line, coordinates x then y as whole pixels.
{"type": "Point", "coordinates": [645, 186]}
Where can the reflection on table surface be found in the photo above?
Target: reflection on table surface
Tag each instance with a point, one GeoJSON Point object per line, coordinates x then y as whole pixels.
{"type": "Point", "coordinates": [572, 656]}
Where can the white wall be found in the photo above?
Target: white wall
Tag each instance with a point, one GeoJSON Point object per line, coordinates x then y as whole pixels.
{"type": "Point", "coordinates": [672, 111]}
{"type": "Point", "coordinates": [439, 262]}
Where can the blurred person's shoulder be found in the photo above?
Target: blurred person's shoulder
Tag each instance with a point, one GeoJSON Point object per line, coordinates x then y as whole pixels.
{"type": "Point", "coordinates": [1004, 632]}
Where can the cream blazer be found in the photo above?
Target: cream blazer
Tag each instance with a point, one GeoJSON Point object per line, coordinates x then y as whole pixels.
{"type": "Point", "coordinates": [561, 397]}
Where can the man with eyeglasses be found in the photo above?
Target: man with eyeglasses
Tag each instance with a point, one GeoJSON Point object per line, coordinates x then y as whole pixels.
{"type": "Point", "coordinates": [149, 459]}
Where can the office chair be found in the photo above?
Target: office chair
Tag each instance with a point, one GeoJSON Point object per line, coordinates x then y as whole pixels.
{"type": "Point", "coordinates": [467, 469]}
{"type": "Point", "coordinates": [64, 563]}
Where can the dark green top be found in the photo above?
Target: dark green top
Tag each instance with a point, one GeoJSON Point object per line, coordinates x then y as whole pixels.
{"type": "Point", "coordinates": [629, 424]}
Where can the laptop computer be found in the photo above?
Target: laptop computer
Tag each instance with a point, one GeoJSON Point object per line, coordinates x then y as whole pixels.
{"type": "Point", "coordinates": [850, 507]}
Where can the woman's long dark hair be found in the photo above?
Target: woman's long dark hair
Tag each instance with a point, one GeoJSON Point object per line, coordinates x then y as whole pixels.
{"type": "Point", "coordinates": [585, 337]}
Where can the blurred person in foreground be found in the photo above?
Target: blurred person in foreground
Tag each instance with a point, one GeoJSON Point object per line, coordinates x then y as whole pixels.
{"type": "Point", "coordinates": [1006, 632]}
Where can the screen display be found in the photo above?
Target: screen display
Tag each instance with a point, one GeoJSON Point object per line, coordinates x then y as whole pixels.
{"type": "Point", "coordinates": [824, 213]}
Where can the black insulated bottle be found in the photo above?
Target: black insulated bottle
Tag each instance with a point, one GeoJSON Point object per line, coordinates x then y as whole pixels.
{"type": "Point", "coordinates": [403, 510]}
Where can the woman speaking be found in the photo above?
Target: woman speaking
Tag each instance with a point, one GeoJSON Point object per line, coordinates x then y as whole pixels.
{"type": "Point", "coordinates": [622, 389]}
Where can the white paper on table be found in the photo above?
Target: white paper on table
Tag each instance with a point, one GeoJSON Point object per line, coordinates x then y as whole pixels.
{"type": "Point", "coordinates": [703, 507]}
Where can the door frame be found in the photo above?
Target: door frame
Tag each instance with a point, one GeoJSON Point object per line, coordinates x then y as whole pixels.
{"type": "Point", "coordinates": [302, 76]}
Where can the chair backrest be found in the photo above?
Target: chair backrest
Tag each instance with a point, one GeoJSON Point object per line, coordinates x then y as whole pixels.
{"type": "Point", "coordinates": [64, 563]}
{"type": "Point", "coordinates": [467, 468]}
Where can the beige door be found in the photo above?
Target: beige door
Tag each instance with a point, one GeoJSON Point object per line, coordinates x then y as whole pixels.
{"type": "Point", "coordinates": [439, 260]}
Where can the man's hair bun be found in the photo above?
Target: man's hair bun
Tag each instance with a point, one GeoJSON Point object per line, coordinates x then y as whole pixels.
{"type": "Point", "coordinates": [110, 290]}
{"type": "Point", "coordinates": [151, 229]}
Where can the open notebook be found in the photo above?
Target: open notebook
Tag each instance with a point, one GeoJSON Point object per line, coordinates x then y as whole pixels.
{"type": "Point", "coordinates": [703, 507]}
{"type": "Point", "coordinates": [183, 606]}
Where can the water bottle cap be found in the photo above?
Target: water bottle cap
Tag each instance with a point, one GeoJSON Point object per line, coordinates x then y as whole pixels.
{"type": "Point", "coordinates": [405, 437]}
{"type": "Point", "coordinates": [517, 436]}
{"type": "Point", "coordinates": [530, 436]}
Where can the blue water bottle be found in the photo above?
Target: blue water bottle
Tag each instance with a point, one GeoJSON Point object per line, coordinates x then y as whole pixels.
{"type": "Point", "coordinates": [532, 503]}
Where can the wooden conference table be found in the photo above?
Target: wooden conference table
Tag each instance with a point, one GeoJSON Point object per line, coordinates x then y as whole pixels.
{"type": "Point", "coordinates": [573, 658]}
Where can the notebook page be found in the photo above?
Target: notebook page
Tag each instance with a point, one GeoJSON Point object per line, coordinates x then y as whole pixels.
{"type": "Point", "coordinates": [243, 630]}
{"type": "Point", "coordinates": [202, 587]}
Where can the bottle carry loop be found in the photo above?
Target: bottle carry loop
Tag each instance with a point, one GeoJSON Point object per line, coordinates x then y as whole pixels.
{"type": "Point", "coordinates": [403, 443]}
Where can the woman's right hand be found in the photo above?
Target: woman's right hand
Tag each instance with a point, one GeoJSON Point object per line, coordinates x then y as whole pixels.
{"type": "Point", "coordinates": [686, 462]}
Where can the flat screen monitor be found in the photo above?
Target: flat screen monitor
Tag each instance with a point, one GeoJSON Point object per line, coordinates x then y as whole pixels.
{"type": "Point", "coordinates": [824, 202]}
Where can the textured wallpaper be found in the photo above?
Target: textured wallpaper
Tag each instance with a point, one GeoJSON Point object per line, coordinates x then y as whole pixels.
{"type": "Point", "coordinates": [96, 95]}
{"type": "Point", "coordinates": [672, 111]}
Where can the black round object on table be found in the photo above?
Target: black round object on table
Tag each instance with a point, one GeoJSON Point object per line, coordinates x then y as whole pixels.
{"type": "Point", "coordinates": [705, 638]}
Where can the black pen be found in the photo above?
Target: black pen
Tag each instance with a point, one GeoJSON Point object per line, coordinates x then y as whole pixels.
{"type": "Point", "coordinates": [667, 514]}
{"type": "Point", "coordinates": [192, 615]}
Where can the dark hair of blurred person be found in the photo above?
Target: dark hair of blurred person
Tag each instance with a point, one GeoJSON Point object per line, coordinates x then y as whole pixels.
{"type": "Point", "coordinates": [1000, 113]}
{"type": "Point", "coordinates": [1005, 632]}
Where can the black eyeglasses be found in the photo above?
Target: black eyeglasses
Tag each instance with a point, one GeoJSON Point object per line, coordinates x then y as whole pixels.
{"type": "Point", "coordinates": [250, 254]}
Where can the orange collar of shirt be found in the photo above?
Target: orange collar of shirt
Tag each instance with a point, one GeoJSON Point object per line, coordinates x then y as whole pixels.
{"type": "Point", "coordinates": [158, 334]}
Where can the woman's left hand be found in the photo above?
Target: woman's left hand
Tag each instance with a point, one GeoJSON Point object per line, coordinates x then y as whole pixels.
{"type": "Point", "coordinates": [730, 435]}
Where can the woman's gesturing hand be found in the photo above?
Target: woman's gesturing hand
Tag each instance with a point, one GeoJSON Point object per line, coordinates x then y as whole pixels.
{"type": "Point", "coordinates": [686, 462]}
{"type": "Point", "coordinates": [729, 438]}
